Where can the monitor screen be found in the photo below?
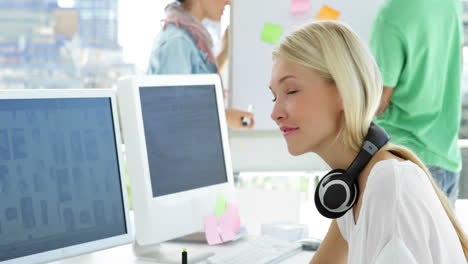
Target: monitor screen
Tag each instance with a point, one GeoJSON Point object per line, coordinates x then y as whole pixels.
{"type": "Point", "coordinates": [183, 138]}
{"type": "Point", "coordinates": [59, 175]}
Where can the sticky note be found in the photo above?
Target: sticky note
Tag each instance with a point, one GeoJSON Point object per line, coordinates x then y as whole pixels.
{"type": "Point", "coordinates": [211, 230]}
{"type": "Point", "coordinates": [232, 215]}
{"type": "Point", "coordinates": [299, 6]}
{"type": "Point", "coordinates": [220, 205]}
{"type": "Point", "coordinates": [272, 33]}
{"type": "Point", "coordinates": [328, 13]}
{"type": "Point", "coordinates": [225, 224]}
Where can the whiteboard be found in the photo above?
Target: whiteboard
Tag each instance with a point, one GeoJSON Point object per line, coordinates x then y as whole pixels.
{"type": "Point", "coordinates": [250, 59]}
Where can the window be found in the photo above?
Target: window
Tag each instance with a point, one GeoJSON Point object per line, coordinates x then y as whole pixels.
{"type": "Point", "coordinates": [139, 23]}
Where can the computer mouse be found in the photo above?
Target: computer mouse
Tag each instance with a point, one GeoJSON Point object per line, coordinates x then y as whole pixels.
{"type": "Point", "coordinates": [310, 243]}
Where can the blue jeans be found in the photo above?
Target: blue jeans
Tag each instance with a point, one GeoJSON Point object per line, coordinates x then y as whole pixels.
{"type": "Point", "coordinates": [447, 181]}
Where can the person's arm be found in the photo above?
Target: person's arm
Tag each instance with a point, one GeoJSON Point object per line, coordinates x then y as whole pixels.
{"type": "Point", "coordinates": [222, 57]}
{"type": "Point", "coordinates": [333, 249]}
{"type": "Point", "coordinates": [387, 46]}
{"type": "Point", "coordinates": [234, 118]}
{"type": "Point", "coordinates": [385, 100]}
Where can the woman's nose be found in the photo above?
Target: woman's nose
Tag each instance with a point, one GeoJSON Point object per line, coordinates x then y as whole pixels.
{"type": "Point", "coordinates": [278, 114]}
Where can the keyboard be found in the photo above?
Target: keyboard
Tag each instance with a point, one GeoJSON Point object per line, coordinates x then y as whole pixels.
{"type": "Point", "coordinates": [258, 250]}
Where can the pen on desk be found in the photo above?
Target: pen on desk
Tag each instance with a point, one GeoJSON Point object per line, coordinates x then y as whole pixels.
{"type": "Point", "coordinates": [184, 256]}
{"type": "Point", "coordinates": [246, 121]}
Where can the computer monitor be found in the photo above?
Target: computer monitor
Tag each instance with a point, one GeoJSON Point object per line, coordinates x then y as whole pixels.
{"type": "Point", "coordinates": [177, 152]}
{"type": "Point", "coordinates": [62, 190]}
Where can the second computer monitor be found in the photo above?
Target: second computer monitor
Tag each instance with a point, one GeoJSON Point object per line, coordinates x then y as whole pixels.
{"type": "Point", "coordinates": [177, 150]}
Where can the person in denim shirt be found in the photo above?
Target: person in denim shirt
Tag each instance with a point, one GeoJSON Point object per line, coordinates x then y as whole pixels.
{"type": "Point", "coordinates": [175, 53]}
{"type": "Point", "coordinates": [184, 46]}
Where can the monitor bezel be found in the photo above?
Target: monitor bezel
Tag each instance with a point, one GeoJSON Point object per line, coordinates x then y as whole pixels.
{"type": "Point", "coordinates": [91, 246]}
{"type": "Point", "coordinates": [183, 80]}
{"type": "Point", "coordinates": [147, 220]}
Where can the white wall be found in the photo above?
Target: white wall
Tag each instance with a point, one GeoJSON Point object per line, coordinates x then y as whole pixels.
{"type": "Point", "coordinates": [267, 151]}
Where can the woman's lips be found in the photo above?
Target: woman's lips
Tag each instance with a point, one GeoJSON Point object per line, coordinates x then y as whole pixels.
{"type": "Point", "coordinates": [288, 130]}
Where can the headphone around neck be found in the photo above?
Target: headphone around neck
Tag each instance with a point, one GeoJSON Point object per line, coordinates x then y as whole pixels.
{"type": "Point", "coordinates": [338, 190]}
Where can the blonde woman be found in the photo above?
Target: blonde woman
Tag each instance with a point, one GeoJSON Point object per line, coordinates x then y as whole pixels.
{"type": "Point", "coordinates": [327, 88]}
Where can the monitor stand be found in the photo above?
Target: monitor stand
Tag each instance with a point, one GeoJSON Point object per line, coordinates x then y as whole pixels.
{"type": "Point", "coordinates": [170, 253]}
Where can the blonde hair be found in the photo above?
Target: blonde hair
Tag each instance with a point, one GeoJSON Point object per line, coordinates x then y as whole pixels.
{"type": "Point", "coordinates": [334, 51]}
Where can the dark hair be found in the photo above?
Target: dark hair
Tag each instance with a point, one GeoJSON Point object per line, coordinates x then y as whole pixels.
{"type": "Point", "coordinates": [180, 1]}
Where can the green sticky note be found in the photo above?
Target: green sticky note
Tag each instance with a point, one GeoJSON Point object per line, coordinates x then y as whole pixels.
{"type": "Point", "coordinates": [272, 33]}
{"type": "Point", "coordinates": [220, 205]}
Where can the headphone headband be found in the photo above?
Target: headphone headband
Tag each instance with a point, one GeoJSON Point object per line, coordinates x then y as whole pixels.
{"type": "Point", "coordinates": [375, 139]}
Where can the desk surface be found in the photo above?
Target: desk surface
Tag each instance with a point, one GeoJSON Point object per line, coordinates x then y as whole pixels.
{"type": "Point", "coordinates": [124, 254]}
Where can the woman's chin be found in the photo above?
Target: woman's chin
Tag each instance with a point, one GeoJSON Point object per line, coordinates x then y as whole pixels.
{"type": "Point", "coordinates": [295, 151]}
{"type": "Point", "coordinates": [215, 18]}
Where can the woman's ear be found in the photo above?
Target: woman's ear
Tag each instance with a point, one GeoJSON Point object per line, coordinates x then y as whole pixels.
{"type": "Point", "coordinates": [341, 104]}
{"type": "Point", "coordinates": [340, 99]}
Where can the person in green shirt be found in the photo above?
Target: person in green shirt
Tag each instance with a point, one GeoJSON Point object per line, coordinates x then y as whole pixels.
{"type": "Point", "coordinates": [417, 46]}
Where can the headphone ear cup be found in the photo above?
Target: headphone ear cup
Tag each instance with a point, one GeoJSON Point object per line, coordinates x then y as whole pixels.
{"type": "Point", "coordinates": [334, 196]}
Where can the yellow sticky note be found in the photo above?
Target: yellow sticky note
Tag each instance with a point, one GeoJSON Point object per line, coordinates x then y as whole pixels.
{"type": "Point", "coordinates": [220, 205]}
{"type": "Point", "coordinates": [272, 33]}
{"type": "Point", "coordinates": [328, 13]}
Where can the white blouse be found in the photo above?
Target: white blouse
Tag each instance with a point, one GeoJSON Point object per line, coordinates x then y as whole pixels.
{"type": "Point", "coordinates": [401, 220]}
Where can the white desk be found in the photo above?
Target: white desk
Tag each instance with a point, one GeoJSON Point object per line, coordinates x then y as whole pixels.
{"type": "Point", "coordinates": [124, 254]}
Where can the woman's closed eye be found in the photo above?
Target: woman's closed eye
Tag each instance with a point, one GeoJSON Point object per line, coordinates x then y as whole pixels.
{"type": "Point", "coordinates": [290, 92]}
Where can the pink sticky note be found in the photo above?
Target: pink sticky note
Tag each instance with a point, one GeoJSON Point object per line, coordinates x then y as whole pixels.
{"type": "Point", "coordinates": [232, 214]}
{"type": "Point", "coordinates": [299, 6]}
{"type": "Point", "coordinates": [227, 233]}
{"type": "Point", "coordinates": [211, 230]}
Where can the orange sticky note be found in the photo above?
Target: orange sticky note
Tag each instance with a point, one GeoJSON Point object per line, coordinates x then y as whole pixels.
{"type": "Point", "coordinates": [328, 13]}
